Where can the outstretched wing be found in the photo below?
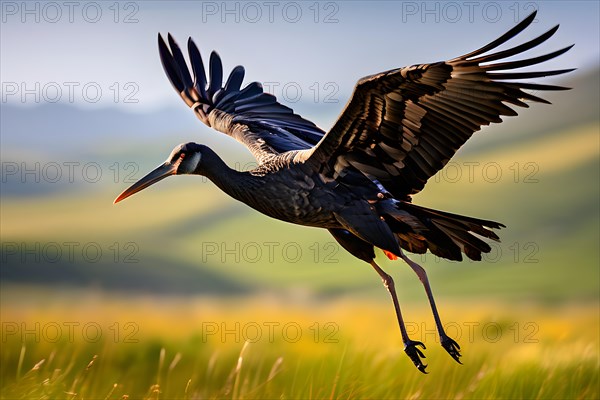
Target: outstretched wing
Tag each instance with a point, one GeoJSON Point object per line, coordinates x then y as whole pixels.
{"type": "Point", "coordinates": [249, 115]}
{"type": "Point", "coordinates": [402, 126]}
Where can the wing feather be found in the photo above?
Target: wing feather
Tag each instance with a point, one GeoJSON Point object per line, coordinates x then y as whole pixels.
{"type": "Point", "coordinates": [402, 126]}
{"type": "Point", "coordinates": [248, 114]}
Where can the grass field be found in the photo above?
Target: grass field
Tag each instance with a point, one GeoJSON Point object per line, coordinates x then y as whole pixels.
{"type": "Point", "coordinates": [132, 347]}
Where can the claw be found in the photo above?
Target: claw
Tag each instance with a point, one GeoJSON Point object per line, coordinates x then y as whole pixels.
{"type": "Point", "coordinates": [411, 350]}
{"type": "Point", "coordinates": [452, 348]}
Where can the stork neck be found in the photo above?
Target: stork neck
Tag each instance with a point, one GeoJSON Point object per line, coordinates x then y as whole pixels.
{"type": "Point", "coordinates": [237, 184]}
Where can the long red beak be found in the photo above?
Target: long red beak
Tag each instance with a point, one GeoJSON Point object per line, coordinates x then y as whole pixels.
{"type": "Point", "coordinates": [158, 174]}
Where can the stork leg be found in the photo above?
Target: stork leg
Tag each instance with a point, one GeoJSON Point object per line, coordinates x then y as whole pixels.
{"type": "Point", "coordinates": [448, 343]}
{"type": "Point", "coordinates": [410, 346]}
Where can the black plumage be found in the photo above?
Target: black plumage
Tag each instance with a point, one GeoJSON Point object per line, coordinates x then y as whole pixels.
{"type": "Point", "coordinates": [399, 128]}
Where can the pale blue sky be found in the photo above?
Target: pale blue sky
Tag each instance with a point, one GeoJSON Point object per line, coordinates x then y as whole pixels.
{"type": "Point", "coordinates": [296, 44]}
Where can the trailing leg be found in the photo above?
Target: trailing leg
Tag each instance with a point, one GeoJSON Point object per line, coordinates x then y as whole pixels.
{"type": "Point", "coordinates": [447, 343]}
{"type": "Point", "coordinates": [364, 250]}
{"type": "Point", "coordinates": [410, 346]}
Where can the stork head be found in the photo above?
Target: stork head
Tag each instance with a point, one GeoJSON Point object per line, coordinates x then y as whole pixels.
{"type": "Point", "coordinates": [185, 158]}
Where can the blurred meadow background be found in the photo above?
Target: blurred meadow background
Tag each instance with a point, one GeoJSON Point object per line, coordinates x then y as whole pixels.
{"type": "Point", "coordinates": [181, 292]}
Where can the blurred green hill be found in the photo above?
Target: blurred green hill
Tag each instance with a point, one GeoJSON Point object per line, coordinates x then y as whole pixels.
{"type": "Point", "coordinates": [537, 174]}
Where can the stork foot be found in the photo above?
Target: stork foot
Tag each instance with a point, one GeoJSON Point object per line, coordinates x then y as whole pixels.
{"type": "Point", "coordinates": [411, 350]}
{"type": "Point", "coordinates": [451, 347]}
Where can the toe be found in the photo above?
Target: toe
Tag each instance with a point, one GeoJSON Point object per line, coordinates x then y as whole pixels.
{"type": "Point", "coordinates": [452, 348]}
{"type": "Point", "coordinates": [415, 354]}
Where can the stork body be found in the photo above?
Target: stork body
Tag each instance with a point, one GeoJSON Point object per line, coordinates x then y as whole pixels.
{"type": "Point", "coordinates": [294, 195]}
{"type": "Point", "coordinates": [399, 128]}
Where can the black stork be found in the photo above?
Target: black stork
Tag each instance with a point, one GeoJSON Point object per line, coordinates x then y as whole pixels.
{"type": "Point", "coordinates": [399, 128]}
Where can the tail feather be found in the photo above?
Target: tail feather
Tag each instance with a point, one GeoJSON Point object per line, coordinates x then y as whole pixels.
{"type": "Point", "coordinates": [462, 235]}
{"type": "Point", "coordinates": [445, 234]}
{"type": "Point", "coordinates": [412, 242]}
{"type": "Point", "coordinates": [468, 244]}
